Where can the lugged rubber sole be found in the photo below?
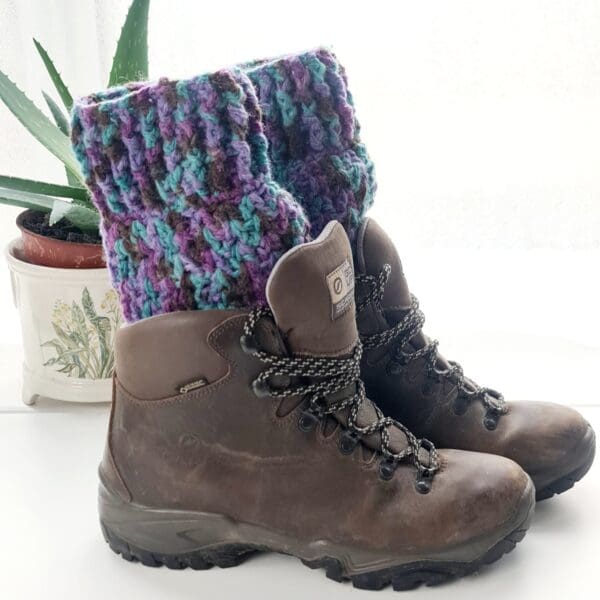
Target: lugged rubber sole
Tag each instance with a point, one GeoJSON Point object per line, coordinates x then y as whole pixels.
{"type": "Point", "coordinates": [563, 483]}
{"type": "Point", "coordinates": [405, 577]}
{"type": "Point", "coordinates": [566, 482]}
{"type": "Point", "coordinates": [186, 546]}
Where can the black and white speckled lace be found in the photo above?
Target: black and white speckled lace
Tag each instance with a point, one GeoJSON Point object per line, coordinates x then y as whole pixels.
{"type": "Point", "coordinates": [318, 379]}
{"type": "Point", "coordinates": [405, 330]}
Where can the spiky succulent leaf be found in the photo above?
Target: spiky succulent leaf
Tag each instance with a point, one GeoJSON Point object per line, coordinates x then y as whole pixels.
{"type": "Point", "coordinates": [26, 199]}
{"type": "Point", "coordinates": [80, 216]}
{"type": "Point", "coordinates": [36, 122]}
{"type": "Point", "coordinates": [74, 181]}
{"type": "Point", "coordinates": [130, 62]}
{"type": "Point", "coordinates": [59, 84]}
{"type": "Point", "coordinates": [57, 114]}
{"type": "Point", "coordinates": [49, 189]}
{"type": "Point", "coordinates": [61, 122]}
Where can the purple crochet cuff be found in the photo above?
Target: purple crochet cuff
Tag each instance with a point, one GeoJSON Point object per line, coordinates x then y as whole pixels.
{"type": "Point", "coordinates": [191, 217]}
{"type": "Point", "coordinates": [313, 134]}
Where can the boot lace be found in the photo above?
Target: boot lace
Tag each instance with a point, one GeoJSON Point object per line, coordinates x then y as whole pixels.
{"type": "Point", "coordinates": [405, 330]}
{"type": "Point", "coordinates": [317, 379]}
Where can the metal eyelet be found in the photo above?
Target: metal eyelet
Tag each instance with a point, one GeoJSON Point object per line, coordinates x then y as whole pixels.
{"type": "Point", "coordinates": [248, 344]}
{"type": "Point", "coordinates": [426, 445]}
{"type": "Point", "coordinates": [386, 469]}
{"type": "Point", "coordinates": [490, 421]}
{"type": "Point", "coordinates": [423, 484]}
{"type": "Point", "coordinates": [307, 421]}
{"type": "Point", "coordinates": [348, 442]}
{"type": "Point", "coordinates": [261, 388]}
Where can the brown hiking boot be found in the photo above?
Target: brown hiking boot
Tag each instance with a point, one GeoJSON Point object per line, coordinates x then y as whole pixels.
{"type": "Point", "coordinates": [235, 432]}
{"type": "Point", "coordinates": [410, 381]}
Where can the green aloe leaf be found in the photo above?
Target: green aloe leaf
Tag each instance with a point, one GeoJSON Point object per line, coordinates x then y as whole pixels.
{"type": "Point", "coordinates": [26, 199]}
{"type": "Point", "coordinates": [36, 122]}
{"type": "Point", "coordinates": [61, 122]}
{"type": "Point", "coordinates": [74, 181]}
{"type": "Point", "coordinates": [59, 84]}
{"type": "Point", "coordinates": [85, 218]}
{"type": "Point", "coordinates": [80, 216]}
{"type": "Point", "coordinates": [57, 114]}
{"type": "Point", "coordinates": [49, 189]}
{"type": "Point", "coordinates": [130, 62]}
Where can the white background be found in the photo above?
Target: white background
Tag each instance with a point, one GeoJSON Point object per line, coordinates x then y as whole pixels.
{"type": "Point", "coordinates": [483, 118]}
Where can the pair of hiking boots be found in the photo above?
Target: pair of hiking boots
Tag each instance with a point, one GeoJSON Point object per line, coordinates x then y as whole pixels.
{"type": "Point", "coordinates": [234, 432]}
{"type": "Point", "coordinates": [300, 410]}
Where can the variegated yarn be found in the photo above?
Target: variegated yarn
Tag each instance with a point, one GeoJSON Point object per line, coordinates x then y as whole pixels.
{"type": "Point", "coordinates": [191, 215]}
{"type": "Point", "coordinates": [313, 134]}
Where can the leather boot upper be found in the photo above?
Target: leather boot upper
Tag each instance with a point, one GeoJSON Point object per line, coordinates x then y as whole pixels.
{"type": "Point", "coordinates": [218, 446]}
{"type": "Point", "coordinates": [547, 440]}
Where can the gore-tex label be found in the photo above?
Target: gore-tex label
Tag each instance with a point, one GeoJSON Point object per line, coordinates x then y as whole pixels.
{"type": "Point", "coordinates": [341, 289]}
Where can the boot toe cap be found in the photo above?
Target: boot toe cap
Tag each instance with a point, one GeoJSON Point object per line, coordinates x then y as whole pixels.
{"type": "Point", "coordinates": [478, 499]}
{"type": "Point", "coordinates": [551, 442]}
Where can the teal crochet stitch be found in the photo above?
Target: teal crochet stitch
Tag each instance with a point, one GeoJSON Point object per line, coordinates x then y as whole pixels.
{"type": "Point", "coordinates": [191, 215]}
{"type": "Point", "coordinates": [314, 136]}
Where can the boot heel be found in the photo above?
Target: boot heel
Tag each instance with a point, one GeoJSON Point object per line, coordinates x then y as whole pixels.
{"type": "Point", "coordinates": [225, 556]}
{"type": "Point", "coordinates": [175, 539]}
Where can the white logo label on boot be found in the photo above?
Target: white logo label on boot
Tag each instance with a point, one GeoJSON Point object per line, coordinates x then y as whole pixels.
{"type": "Point", "coordinates": [341, 289]}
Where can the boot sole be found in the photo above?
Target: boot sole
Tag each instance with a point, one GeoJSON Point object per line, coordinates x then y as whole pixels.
{"type": "Point", "coordinates": [566, 482]}
{"type": "Point", "coordinates": [202, 532]}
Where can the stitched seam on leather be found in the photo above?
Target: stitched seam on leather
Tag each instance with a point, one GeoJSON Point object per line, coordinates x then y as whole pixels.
{"type": "Point", "coordinates": [334, 353]}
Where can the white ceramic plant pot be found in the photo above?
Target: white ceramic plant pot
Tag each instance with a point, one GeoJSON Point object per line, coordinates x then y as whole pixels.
{"type": "Point", "coordinates": [68, 319]}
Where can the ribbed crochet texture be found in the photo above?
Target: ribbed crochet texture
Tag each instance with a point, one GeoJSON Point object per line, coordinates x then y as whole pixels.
{"type": "Point", "coordinates": [314, 137]}
{"type": "Point", "coordinates": [191, 216]}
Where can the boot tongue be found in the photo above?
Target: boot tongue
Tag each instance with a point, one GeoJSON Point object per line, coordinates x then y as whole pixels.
{"type": "Point", "coordinates": [311, 294]}
{"type": "Point", "coordinates": [374, 249]}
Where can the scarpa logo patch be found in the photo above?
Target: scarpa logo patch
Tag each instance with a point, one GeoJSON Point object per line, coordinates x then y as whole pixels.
{"type": "Point", "coordinates": [341, 289]}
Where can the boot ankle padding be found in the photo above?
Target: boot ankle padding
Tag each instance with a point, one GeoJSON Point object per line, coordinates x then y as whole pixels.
{"type": "Point", "coordinates": [301, 291]}
{"type": "Point", "coordinates": [156, 356]}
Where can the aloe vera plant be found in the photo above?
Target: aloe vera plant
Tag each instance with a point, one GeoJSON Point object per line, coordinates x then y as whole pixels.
{"type": "Point", "coordinates": [72, 201]}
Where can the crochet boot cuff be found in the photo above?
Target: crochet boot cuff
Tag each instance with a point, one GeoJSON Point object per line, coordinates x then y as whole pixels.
{"type": "Point", "coordinates": [179, 170]}
{"type": "Point", "coordinates": [313, 134]}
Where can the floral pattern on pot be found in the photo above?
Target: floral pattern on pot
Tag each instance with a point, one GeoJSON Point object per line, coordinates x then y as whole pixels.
{"type": "Point", "coordinates": [83, 345]}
